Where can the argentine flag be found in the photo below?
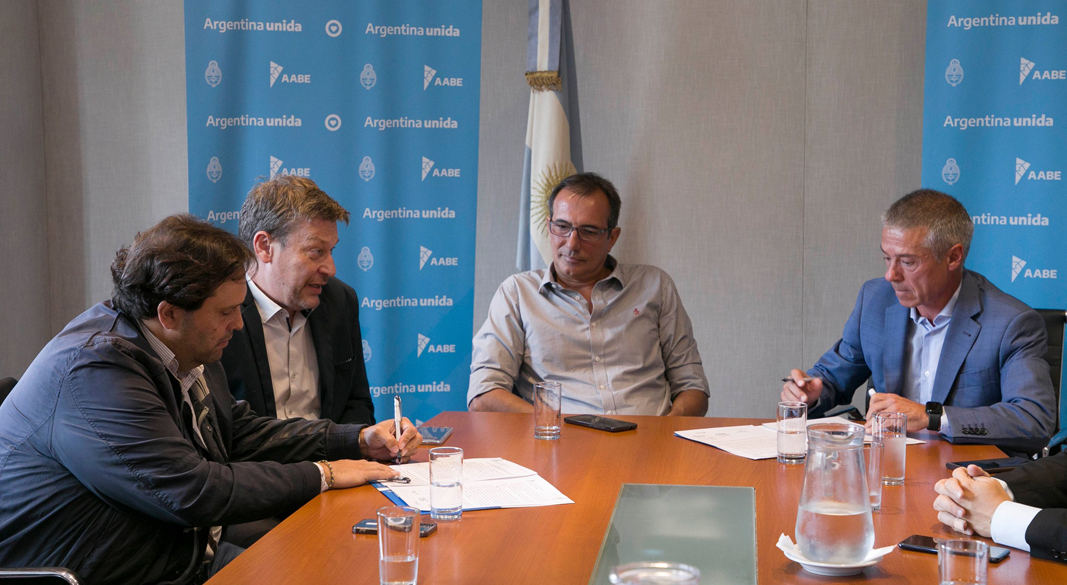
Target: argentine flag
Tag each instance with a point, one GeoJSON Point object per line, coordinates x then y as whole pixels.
{"type": "Point", "coordinates": [553, 134]}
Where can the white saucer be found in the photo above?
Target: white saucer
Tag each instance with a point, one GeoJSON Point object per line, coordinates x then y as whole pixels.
{"type": "Point", "coordinates": [831, 569]}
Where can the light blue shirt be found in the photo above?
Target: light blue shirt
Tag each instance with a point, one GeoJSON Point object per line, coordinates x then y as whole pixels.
{"type": "Point", "coordinates": [923, 351]}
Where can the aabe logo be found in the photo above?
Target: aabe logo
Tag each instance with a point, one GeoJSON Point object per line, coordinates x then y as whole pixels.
{"type": "Point", "coordinates": [276, 74]}
{"type": "Point", "coordinates": [426, 256]}
{"type": "Point", "coordinates": [425, 345]}
{"type": "Point", "coordinates": [365, 260]}
{"type": "Point", "coordinates": [275, 71]}
{"type": "Point", "coordinates": [276, 169]}
{"type": "Point", "coordinates": [954, 73]}
{"type": "Point", "coordinates": [1022, 169]}
{"type": "Point", "coordinates": [1029, 70]}
{"type": "Point", "coordinates": [427, 76]}
{"type": "Point", "coordinates": [214, 170]}
{"type": "Point", "coordinates": [950, 173]}
{"type": "Point", "coordinates": [213, 75]}
{"type": "Point", "coordinates": [1024, 69]}
{"type": "Point", "coordinates": [428, 170]}
{"type": "Point", "coordinates": [1018, 268]}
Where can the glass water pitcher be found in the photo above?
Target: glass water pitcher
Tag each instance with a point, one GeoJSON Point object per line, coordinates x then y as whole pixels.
{"type": "Point", "coordinates": [834, 519]}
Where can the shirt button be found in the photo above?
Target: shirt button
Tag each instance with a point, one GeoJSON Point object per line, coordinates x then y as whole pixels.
{"type": "Point", "coordinates": [602, 386]}
{"type": "Point", "coordinates": [927, 374]}
{"type": "Point", "coordinates": [593, 324]}
{"type": "Point", "coordinates": [597, 358]}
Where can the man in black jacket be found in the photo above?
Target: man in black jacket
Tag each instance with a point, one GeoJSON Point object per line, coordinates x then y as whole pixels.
{"type": "Point", "coordinates": [122, 452]}
{"type": "Point", "coordinates": [1025, 508]}
{"type": "Point", "coordinates": [300, 353]}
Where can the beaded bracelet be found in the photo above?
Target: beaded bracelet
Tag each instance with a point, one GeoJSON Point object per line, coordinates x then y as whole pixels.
{"type": "Point", "coordinates": [329, 484]}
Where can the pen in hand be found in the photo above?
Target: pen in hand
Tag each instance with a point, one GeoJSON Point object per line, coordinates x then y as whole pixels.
{"type": "Point", "coordinates": [396, 423]}
{"type": "Point", "coordinates": [806, 379]}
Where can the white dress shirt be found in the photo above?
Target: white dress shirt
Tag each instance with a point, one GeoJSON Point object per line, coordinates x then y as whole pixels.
{"type": "Point", "coordinates": [294, 368]}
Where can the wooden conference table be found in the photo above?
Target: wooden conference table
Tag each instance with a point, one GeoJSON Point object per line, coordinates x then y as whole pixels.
{"type": "Point", "coordinates": [560, 544]}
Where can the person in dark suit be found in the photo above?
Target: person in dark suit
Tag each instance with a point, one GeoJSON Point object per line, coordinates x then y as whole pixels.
{"type": "Point", "coordinates": [940, 343]}
{"type": "Point", "coordinates": [122, 452]}
{"type": "Point", "coordinates": [1025, 508]}
{"type": "Point", "coordinates": [301, 353]}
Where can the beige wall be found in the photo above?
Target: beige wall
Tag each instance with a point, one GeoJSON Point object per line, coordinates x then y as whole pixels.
{"type": "Point", "coordinates": [754, 142]}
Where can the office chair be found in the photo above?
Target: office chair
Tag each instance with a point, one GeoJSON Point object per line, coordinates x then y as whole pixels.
{"type": "Point", "coordinates": [6, 386]}
{"type": "Point", "coordinates": [38, 576]}
{"type": "Point", "coordinates": [1055, 321]}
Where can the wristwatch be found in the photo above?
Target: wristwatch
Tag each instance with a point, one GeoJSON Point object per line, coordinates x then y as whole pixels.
{"type": "Point", "coordinates": [934, 411]}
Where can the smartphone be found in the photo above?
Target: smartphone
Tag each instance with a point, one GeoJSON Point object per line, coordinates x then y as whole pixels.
{"type": "Point", "coordinates": [600, 423]}
{"type": "Point", "coordinates": [434, 435]}
{"type": "Point", "coordinates": [370, 526]}
{"type": "Point", "coordinates": [928, 544]}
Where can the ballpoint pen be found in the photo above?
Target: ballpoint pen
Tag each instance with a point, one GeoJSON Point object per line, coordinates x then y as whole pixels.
{"type": "Point", "coordinates": [806, 379]}
{"type": "Point", "coordinates": [396, 423]}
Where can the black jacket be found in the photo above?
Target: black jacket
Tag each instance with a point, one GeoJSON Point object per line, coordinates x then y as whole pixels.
{"type": "Point", "coordinates": [1043, 484]}
{"type": "Point", "coordinates": [344, 392]}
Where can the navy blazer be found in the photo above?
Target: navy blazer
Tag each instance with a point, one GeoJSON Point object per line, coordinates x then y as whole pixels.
{"type": "Point", "coordinates": [101, 475]}
{"type": "Point", "coordinates": [992, 376]}
{"type": "Point", "coordinates": [1043, 484]}
{"type": "Point", "coordinates": [343, 389]}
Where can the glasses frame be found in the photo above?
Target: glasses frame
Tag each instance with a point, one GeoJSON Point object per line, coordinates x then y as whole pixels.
{"type": "Point", "coordinates": [586, 233]}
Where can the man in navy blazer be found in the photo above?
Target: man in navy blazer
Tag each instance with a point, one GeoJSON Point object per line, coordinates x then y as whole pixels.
{"type": "Point", "coordinates": [300, 354]}
{"type": "Point", "coordinates": [940, 343]}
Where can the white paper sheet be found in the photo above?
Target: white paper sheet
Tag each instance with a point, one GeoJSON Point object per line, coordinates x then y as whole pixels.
{"type": "Point", "coordinates": [749, 441]}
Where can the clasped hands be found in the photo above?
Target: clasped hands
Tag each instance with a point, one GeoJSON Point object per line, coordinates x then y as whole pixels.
{"type": "Point", "coordinates": [967, 501]}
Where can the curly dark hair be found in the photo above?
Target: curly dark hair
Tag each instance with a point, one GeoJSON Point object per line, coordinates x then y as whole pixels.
{"type": "Point", "coordinates": [181, 260]}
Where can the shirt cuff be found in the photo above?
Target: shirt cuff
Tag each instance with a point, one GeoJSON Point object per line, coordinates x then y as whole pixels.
{"type": "Point", "coordinates": [1009, 524]}
{"type": "Point", "coordinates": [323, 486]}
{"type": "Point", "coordinates": [945, 429]}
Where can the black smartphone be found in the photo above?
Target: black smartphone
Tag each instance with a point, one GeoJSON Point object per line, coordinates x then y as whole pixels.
{"type": "Point", "coordinates": [928, 544]}
{"type": "Point", "coordinates": [370, 526]}
{"type": "Point", "coordinates": [600, 423]}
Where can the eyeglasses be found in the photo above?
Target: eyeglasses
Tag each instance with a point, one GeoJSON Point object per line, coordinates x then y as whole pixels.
{"type": "Point", "coordinates": [586, 233]}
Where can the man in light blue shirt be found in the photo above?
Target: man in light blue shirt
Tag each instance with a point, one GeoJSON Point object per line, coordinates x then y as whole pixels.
{"type": "Point", "coordinates": [940, 343]}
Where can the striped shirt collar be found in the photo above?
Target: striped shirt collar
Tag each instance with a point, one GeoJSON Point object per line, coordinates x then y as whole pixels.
{"type": "Point", "coordinates": [170, 361]}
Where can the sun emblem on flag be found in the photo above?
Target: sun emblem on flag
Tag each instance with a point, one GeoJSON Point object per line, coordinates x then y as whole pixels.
{"type": "Point", "coordinates": [550, 177]}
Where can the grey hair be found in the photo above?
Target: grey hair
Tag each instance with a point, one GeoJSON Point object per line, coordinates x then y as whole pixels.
{"type": "Point", "coordinates": [945, 219]}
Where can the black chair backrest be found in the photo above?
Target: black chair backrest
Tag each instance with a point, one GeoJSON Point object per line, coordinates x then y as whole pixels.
{"type": "Point", "coordinates": [1055, 320]}
{"type": "Point", "coordinates": [6, 386]}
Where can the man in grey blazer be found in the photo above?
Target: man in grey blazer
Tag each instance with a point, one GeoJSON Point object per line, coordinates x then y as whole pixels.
{"type": "Point", "coordinates": [940, 343]}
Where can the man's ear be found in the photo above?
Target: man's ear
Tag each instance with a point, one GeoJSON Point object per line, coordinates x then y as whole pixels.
{"type": "Point", "coordinates": [261, 246]}
{"type": "Point", "coordinates": [955, 257]}
{"type": "Point", "coordinates": [168, 315]}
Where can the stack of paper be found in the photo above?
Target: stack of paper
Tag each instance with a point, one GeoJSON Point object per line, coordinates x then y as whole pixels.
{"type": "Point", "coordinates": [487, 483]}
{"type": "Point", "coordinates": [754, 441]}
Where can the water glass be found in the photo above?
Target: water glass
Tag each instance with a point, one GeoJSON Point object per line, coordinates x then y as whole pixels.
{"type": "Point", "coordinates": [963, 562]}
{"type": "Point", "coordinates": [547, 414]}
{"type": "Point", "coordinates": [792, 432]}
{"type": "Point", "coordinates": [891, 428]}
{"type": "Point", "coordinates": [398, 545]}
{"type": "Point", "coordinates": [446, 483]}
{"type": "Point", "coordinates": [650, 573]}
{"type": "Point", "coordinates": [874, 474]}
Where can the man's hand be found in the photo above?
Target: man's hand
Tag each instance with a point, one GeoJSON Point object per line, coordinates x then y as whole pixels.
{"type": "Point", "coordinates": [348, 473]}
{"type": "Point", "coordinates": [379, 441]}
{"type": "Point", "coordinates": [797, 390]}
{"type": "Point", "coordinates": [967, 500]}
{"type": "Point", "coordinates": [885, 402]}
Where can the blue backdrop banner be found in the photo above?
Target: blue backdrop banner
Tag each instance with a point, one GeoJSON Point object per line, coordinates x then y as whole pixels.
{"type": "Point", "coordinates": [377, 101]}
{"type": "Point", "coordinates": [995, 135]}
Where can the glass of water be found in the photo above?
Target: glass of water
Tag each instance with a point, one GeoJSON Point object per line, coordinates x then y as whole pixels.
{"type": "Point", "coordinates": [446, 483]}
{"type": "Point", "coordinates": [963, 561]}
{"type": "Point", "coordinates": [398, 545]}
{"type": "Point", "coordinates": [547, 415]}
{"type": "Point", "coordinates": [891, 428]}
{"type": "Point", "coordinates": [792, 432]}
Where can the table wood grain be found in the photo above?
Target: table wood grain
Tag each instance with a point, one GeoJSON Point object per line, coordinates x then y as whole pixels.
{"type": "Point", "coordinates": [560, 544]}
